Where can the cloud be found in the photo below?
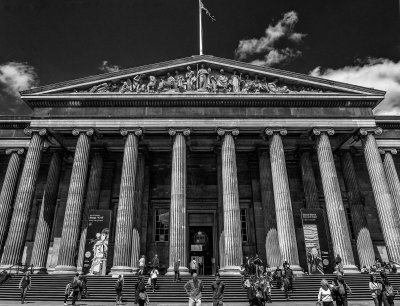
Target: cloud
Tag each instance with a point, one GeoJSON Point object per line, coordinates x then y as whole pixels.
{"type": "Point", "coordinates": [106, 67]}
{"type": "Point", "coordinates": [269, 47]}
{"type": "Point", "coordinates": [378, 73]}
{"type": "Point", "coordinates": [15, 77]}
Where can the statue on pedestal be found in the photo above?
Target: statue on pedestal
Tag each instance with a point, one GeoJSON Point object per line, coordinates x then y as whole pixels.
{"type": "Point", "coordinates": [190, 79]}
{"type": "Point", "coordinates": [202, 76]}
{"type": "Point", "coordinates": [222, 81]}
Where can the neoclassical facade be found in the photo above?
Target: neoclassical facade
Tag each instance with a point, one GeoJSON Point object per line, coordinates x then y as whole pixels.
{"type": "Point", "coordinates": [200, 156]}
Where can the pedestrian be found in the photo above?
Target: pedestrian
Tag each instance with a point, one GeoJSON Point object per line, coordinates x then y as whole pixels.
{"type": "Point", "coordinates": [267, 286]}
{"type": "Point", "coordinates": [193, 266]}
{"type": "Point", "coordinates": [286, 287]}
{"type": "Point", "coordinates": [142, 263]}
{"type": "Point", "coordinates": [325, 295]}
{"type": "Point", "coordinates": [339, 265]}
{"type": "Point", "coordinates": [341, 290]}
{"type": "Point", "coordinates": [119, 286]}
{"type": "Point", "coordinates": [141, 296]}
{"type": "Point", "coordinates": [387, 293]}
{"type": "Point", "coordinates": [24, 286]}
{"type": "Point", "coordinates": [252, 292]}
{"type": "Point", "coordinates": [155, 263]}
{"type": "Point", "coordinates": [218, 288]}
{"type": "Point", "coordinates": [278, 277]}
{"type": "Point", "coordinates": [289, 275]}
{"type": "Point", "coordinates": [76, 288]}
{"type": "Point", "coordinates": [67, 292]}
{"type": "Point", "coordinates": [194, 288]}
{"type": "Point", "coordinates": [177, 265]}
{"type": "Point", "coordinates": [258, 262]}
{"type": "Point", "coordinates": [153, 276]}
{"type": "Point", "coordinates": [376, 290]}
{"type": "Point", "coordinates": [84, 286]}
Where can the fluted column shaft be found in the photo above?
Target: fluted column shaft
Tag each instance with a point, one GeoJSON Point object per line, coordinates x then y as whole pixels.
{"type": "Point", "coordinates": [23, 202]}
{"type": "Point", "coordinates": [92, 201]}
{"type": "Point", "coordinates": [178, 241]}
{"type": "Point", "coordinates": [365, 247]}
{"type": "Point", "coordinates": [8, 190]}
{"type": "Point", "coordinates": [46, 215]}
{"type": "Point", "coordinates": [392, 177]}
{"type": "Point", "coordinates": [273, 252]}
{"type": "Point", "coordinates": [283, 204]}
{"type": "Point", "coordinates": [384, 203]}
{"type": "Point", "coordinates": [126, 205]}
{"type": "Point", "coordinates": [73, 211]}
{"type": "Point", "coordinates": [333, 201]}
{"type": "Point", "coordinates": [308, 179]}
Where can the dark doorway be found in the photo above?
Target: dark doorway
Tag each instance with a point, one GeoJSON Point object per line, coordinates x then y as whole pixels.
{"type": "Point", "coordinates": [201, 246]}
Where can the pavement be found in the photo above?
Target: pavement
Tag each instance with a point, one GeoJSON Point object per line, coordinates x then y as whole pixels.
{"type": "Point", "coordinates": [46, 303]}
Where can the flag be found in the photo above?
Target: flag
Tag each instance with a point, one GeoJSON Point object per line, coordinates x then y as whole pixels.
{"type": "Point", "coordinates": [207, 11]}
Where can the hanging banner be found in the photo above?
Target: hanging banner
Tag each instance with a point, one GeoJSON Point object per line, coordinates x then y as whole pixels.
{"type": "Point", "coordinates": [316, 241]}
{"type": "Point", "coordinates": [96, 248]}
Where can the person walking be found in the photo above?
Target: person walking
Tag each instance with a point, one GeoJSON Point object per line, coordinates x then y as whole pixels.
{"type": "Point", "coordinates": [289, 275]}
{"type": "Point", "coordinates": [76, 288]}
{"type": "Point", "coordinates": [155, 263]}
{"type": "Point", "coordinates": [286, 287]}
{"type": "Point", "coordinates": [193, 266]}
{"type": "Point", "coordinates": [24, 286]}
{"type": "Point", "coordinates": [153, 275]}
{"type": "Point", "coordinates": [218, 288]}
{"type": "Point", "coordinates": [177, 276]}
{"type": "Point", "coordinates": [141, 296]}
{"type": "Point", "coordinates": [341, 290]}
{"type": "Point", "coordinates": [194, 289]}
{"type": "Point", "coordinates": [119, 286]}
{"type": "Point", "coordinates": [376, 290]}
{"type": "Point", "coordinates": [142, 264]}
{"type": "Point", "coordinates": [278, 277]}
{"type": "Point", "coordinates": [387, 293]}
{"type": "Point", "coordinates": [67, 292]}
{"type": "Point", "coordinates": [325, 296]}
{"type": "Point", "coordinates": [258, 263]}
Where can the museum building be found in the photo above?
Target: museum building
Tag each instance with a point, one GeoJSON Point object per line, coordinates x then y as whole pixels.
{"type": "Point", "coordinates": [199, 157]}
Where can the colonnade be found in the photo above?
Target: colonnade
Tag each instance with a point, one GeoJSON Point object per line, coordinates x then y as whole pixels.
{"type": "Point", "coordinates": [280, 235]}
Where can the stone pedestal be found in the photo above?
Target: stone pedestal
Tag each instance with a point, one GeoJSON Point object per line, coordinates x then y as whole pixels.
{"type": "Point", "coordinates": [283, 204]}
{"type": "Point", "coordinates": [46, 215]}
{"type": "Point", "coordinates": [73, 212]}
{"type": "Point", "coordinates": [126, 206]}
{"type": "Point", "coordinates": [19, 222]}
{"type": "Point", "coordinates": [178, 245]}
{"type": "Point", "coordinates": [384, 203]}
{"type": "Point", "coordinates": [8, 190]}
{"type": "Point", "coordinates": [333, 201]}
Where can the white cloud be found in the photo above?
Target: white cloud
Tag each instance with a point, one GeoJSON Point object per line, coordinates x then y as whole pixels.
{"type": "Point", "coordinates": [266, 46]}
{"type": "Point", "coordinates": [106, 67]}
{"type": "Point", "coordinates": [382, 74]}
{"type": "Point", "coordinates": [15, 77]}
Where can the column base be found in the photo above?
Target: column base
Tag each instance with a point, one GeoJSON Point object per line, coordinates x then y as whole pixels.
{"type": "Point", "coordinates": [351, 269]}
{"type": "Point", "coordinates": [39, 270]}
{"type": "Point", "coordinates": [117, 270]}
{"type": "Point", "coordinates": [183, 271]}
{"type": "Point", "coordinates": [297, 270]}
{"type": "Point", "coordinates": [230, 271]}
{"type": "Point", "coordinates": [64, 270]}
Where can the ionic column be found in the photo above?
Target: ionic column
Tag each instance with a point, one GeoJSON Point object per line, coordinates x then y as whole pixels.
{"type": "Point", "coordinates": [73, 210]}
{"type": "Point", "coordinates": [230, 194]}
{"type": "Point", "coordinates": [46, 215]}
{"type": "Point", "coordinates": [178, 242]}
{"type": "Point", "coordinates": [126, 206]}
{"type": "Point", "coordinates": [273, 253]}
{"type": "Point", "coordinates": [8, 190]}
{"type": "Point", "coordinates": [308, 179]}
{"type": "Point", "coordinates": [387, 211]}
{"type": "Point", "coordinates": [283, 204]}
{"type": "Point", "coordinates": [333, 200]}
{"type": "Point", "coordinates": [23, 202]}
{"type": "Point", "coordinates": [92, 201]}
{"type": "Point", "coordinates": [365, 247]}
{"type": "Point", "coordinates": [392, 177]}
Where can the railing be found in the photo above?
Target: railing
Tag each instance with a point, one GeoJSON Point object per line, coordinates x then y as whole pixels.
{"type": "Point", "coordinates": [16, 269]}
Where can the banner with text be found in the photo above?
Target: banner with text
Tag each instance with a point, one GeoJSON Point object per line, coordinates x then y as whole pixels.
{"type": "Point", "coordinates": [96, 248]}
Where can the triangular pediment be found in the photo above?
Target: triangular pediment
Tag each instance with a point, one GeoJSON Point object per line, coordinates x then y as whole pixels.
{"type": "Point", "coordinates": [201, 75]}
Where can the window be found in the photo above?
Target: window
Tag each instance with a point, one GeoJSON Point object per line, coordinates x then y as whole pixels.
{"type": "Point", "coordinates": [162, 224]}
{"type": "Point", "coordinates": [243, 222]}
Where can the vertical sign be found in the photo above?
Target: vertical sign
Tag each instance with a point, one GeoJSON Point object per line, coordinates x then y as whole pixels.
{"type": "Point", "coordinates": [316, 241]}
{"type": "Point", "coordinates": [96, 247]}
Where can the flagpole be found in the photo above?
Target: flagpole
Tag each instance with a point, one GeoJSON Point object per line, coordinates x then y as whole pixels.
{"type": "Point", "coordinates": [200, 30]}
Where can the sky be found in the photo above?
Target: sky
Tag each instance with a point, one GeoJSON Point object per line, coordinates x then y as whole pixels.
{"type": "Point", "coordinates": [47, 41]}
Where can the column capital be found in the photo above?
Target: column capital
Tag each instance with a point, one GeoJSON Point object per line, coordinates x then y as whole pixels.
{"type": "Point", "coordinates": [374, 130]}
{"type": "Point", "coordinates": [270, 132]}
{"type": "Point", "coordinates": [222, 131]}
{"type": "Point", "coordinates": [184, 132]}
{"type": "Point", "coordinates": [392, 151]}
{"type": "Point", "coordinates": [29, 132]}
{"type": "Point", "coordinates": [19, 151]}
{"type": "Point", "coordinates": [136, 132]}
{"type": "Point", "coordinates": [319, 131]}
{"type": "Point", "coordinates": [88, 132]}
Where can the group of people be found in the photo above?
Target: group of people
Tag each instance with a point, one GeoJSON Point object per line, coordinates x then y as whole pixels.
{"type": "Point", "coordinates": [258, 282]}
{"type": "Point", "coordinates": [76, 289]}
{"type": "Point", "coordinates": [380, 266]}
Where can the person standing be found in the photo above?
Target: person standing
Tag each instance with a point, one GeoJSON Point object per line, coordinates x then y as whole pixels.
{"type": "Point", "coordinates": [84, 286]}
{"type": "Point", "coordinates": [339, 265]}
{"type": "Point", "coordinates": [376, 290]}
{"type": "Point", "coordinates": [341, 290]}
{"type": "Point", "coordinates": [325, 294]}
{"type": "Point", "coordinates": [257, 261]}
{"type": "Point", "coordinates": [141, 297]}
{"type": "Point", "coordinates": [76, 288]}
{"type": "Point", "coordinates": [153, 276]}
{"type": "Point", "coordinates": [286, 287]}
{"type": "Point", "coordinates": [67, 292]}
{"type": "Point", "coordinates": [193, 266]}
{"type": "Point", "coordinates": [24, 286]}
{"type": "Point", "coordinates": [119, 286]}
{"type": "Point", "coordinates": [142, 263]}
{"type": "Point", "coordinates": [155, 263]}
{"type": "Point", "coordinates": [387, 293]}
{"type": "Point", "coordinates": [289, 276]}
{"type": "Point", "coordinates": [278, 277]}
{"type": "Point", "coordinates": [194, 288]}
{"type": "Point", "coordinates": [177, 276]}
{"type": "Point", "coordinates": [218, 288]}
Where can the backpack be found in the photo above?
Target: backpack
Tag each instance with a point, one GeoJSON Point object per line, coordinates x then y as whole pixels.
{"type": "Point", "coordinates": [118, 285]}
{"type": "Point", "coordinates": [389, 291]}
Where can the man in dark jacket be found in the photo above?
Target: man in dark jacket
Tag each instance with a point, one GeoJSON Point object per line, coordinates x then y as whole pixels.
{"type": "Point", "coordinates": [341, 290]}
{"type": "Point", "coordinates": [177, 264]}
{"type": "Point", "coordinates": [218, 288]}
{"type": "Point", "coordinates": [24, 285]}
{"type": "Point", "coordinates": [155, 262]}
{"type": "Point", "coordinates": [289, 276]}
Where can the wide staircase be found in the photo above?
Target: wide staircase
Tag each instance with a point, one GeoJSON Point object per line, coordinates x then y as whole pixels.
{"type": "Point", "coordinates": [101, 288]}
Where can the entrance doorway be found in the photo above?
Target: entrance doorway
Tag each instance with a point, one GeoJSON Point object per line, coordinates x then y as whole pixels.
{"type": "Point", "coordinates": [201, 248]}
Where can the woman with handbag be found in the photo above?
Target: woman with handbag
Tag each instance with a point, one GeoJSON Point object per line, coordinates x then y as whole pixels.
{"type": "Point", "coordinates": [325, 294]}
{"type": "Point", "coordinates": [376, 290]}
